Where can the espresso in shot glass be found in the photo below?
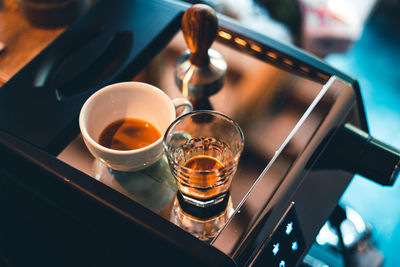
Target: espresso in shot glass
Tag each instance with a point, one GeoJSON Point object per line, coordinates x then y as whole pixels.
{"type": "Point", "coordinates": [203, 150]}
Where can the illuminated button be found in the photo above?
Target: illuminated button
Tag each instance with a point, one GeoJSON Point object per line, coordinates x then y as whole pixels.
{"type": "Point", "coordinates": [256, 48]}
{"type": "Point", "coordinates": [282, 264]}
{"type": "Point", "coordinates": [295, 246]}
{"type": "Point", "coordinates": [240, 41]}
{"type": "Point", "coordinates": [272, 55]}
{"type": "Point", "coordinates": [289, 228]}
{"type": "Point", "coordinates": [275, 249]}
{"type": "Point", "coordinates": [225, 35]}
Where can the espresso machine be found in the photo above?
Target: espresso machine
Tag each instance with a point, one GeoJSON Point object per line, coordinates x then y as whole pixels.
{"type": "Point", "coordinates": [305, 129]}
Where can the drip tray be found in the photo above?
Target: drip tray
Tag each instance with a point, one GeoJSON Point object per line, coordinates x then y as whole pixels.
{"type": "Point", "coordinates": [153, 187]}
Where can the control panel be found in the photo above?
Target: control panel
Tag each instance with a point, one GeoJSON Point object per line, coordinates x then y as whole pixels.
{"type": "Point", "coordinates": [286, 244]}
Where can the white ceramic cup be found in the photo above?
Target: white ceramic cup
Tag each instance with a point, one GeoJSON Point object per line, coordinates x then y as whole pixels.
{"type": "Point", "coordinates": [128, 100]}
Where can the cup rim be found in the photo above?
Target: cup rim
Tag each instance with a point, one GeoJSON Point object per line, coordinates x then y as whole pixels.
{"type": "Point", "coordinates": [111, 87]}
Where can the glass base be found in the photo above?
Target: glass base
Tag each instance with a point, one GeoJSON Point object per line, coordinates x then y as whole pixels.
{"type": "Point", "coordinates": [204, 229]}
{"type": "Point", "coordinates": [208, 210]}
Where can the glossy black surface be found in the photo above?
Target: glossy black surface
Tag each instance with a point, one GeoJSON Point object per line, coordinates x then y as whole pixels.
{"type": "Point", "coordinates": [356, 151]}
{"type": "Point", "coordinates": [38, 118]}
{"type": "Point", "coordinates": [40, 104]}
{"type": "Point", "coordinates": [53, 215]}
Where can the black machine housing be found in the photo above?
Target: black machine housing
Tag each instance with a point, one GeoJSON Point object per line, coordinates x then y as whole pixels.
{"type": "Point", "coordinates": [54, 214]}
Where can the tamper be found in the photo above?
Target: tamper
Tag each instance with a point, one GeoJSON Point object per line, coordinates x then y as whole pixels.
{"type": "Point", "coordinates": [200, 71]}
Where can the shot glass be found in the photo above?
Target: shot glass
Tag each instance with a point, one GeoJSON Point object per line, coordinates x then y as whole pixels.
{"type": "Point", "coordinates": [203, 150]}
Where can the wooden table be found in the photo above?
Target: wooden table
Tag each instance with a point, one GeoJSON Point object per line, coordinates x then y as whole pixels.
{"type": "Point", "coordinates": [22, 40]}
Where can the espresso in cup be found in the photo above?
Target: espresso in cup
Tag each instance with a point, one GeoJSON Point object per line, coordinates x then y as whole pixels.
{"type": "Point", "coordinates": [123, 124]}
{"type": "Point", "coordinates": [129, 134]}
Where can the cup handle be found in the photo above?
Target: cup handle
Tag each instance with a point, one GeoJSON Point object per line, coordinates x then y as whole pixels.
{"type": "Point", "coordinates": [182, 102]}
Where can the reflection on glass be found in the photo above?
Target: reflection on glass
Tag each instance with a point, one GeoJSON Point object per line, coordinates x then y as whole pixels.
{"type": "Point", "coordinates": [204, 229]}
{"type": "Point", "coordinates": [153, 187]}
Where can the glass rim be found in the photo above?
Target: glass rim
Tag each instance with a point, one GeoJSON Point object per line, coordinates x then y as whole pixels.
{"type": "Point", "coordinates": [195, 112]}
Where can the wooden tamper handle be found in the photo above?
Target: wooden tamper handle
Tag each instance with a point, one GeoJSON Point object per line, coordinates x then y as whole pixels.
{"type": "Point", "coordinates": [199, 27]}
{"type": "Point", "coordinates": [200, 71]}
